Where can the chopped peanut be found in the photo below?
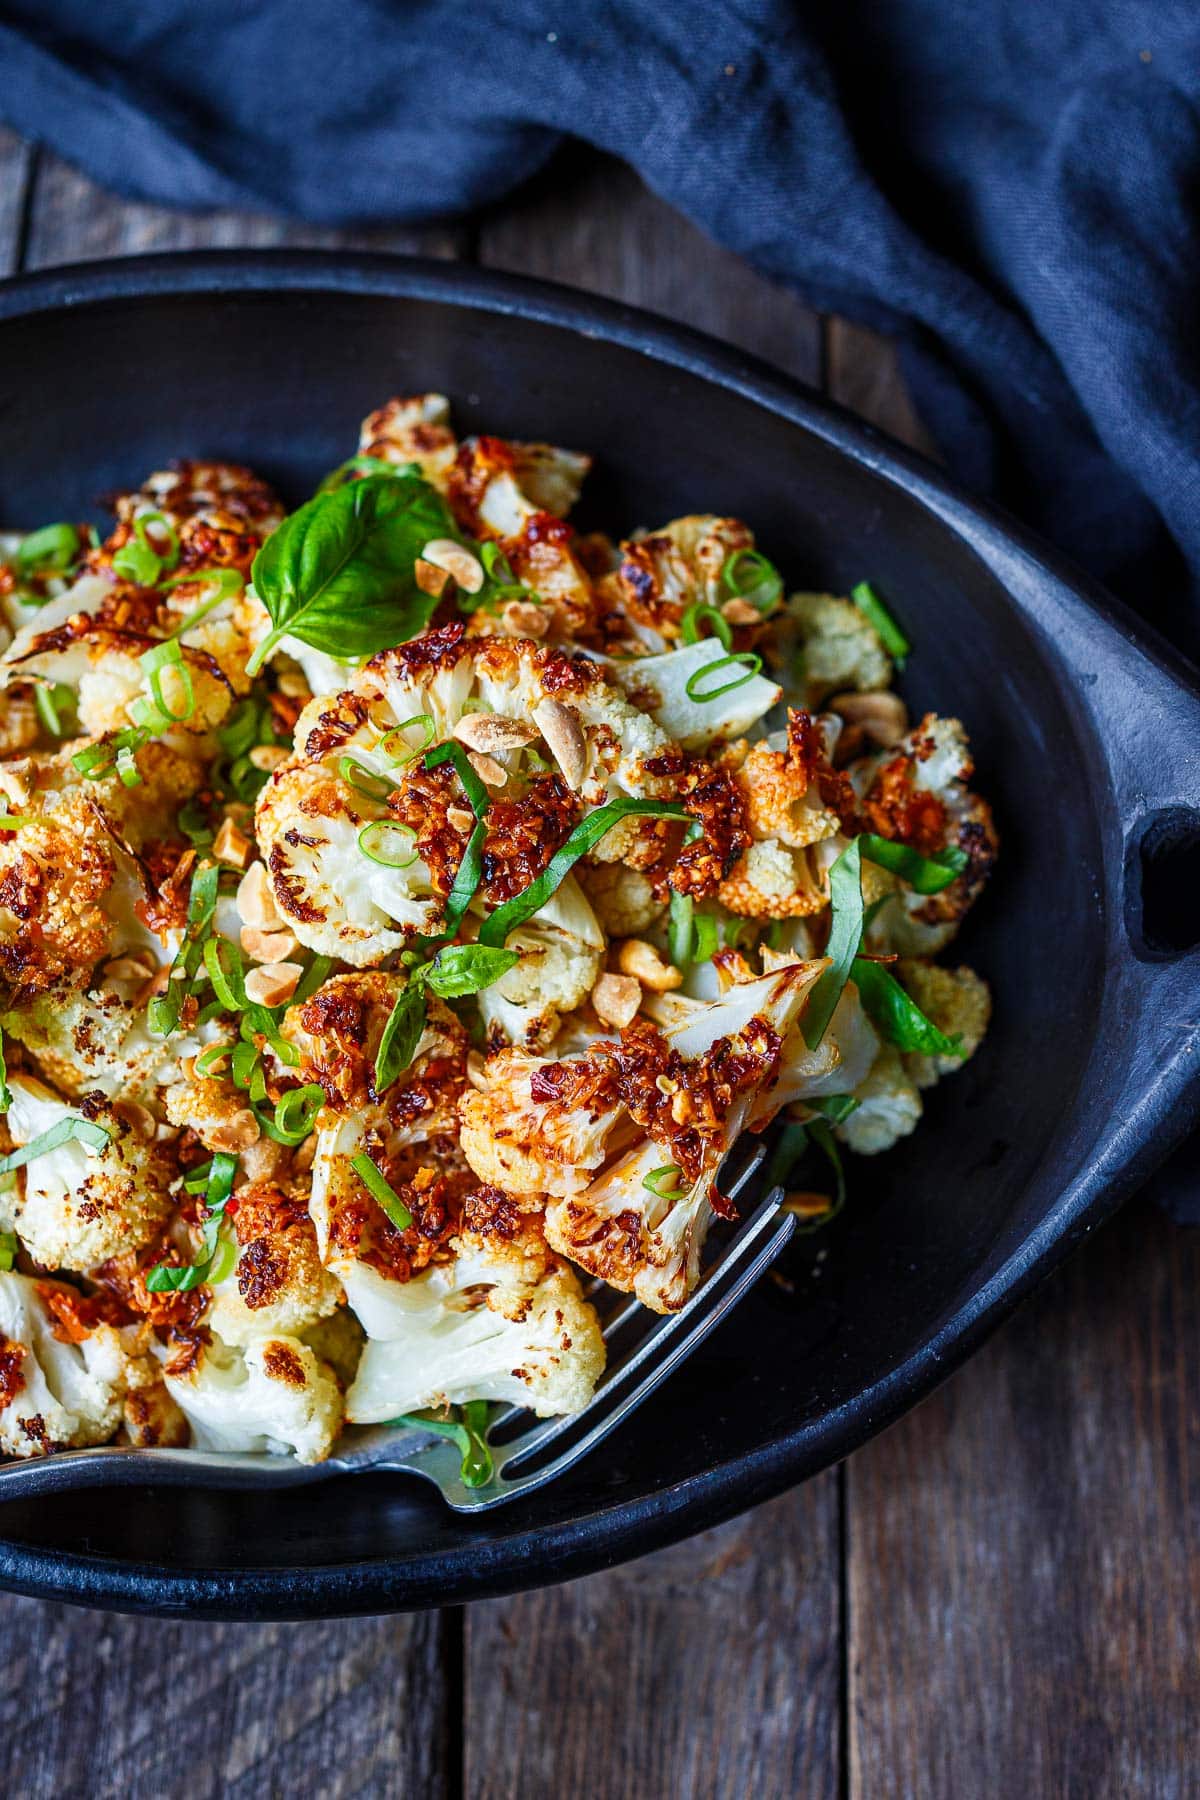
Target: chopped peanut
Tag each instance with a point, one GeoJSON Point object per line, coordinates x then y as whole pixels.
{"type": "Point", "coordinates": [231, 845]}
{"type": "Point", "coordinates": [559, 725]}
{"type": "Point", "coordinates": [636, 957]}
{"type": "Point", "coordinates": [616, 999]}
{"type": "Point", "coordinates": [457, 560]}
{"type": "Point", "coordinates": [267, 946]}
{"type": "Point", "coordinates": [237, 1132]}
{"type": "Point", "coordinates": [490, 772]}
{"type": "Point", "coordinates": [522, 618]}
{"type": "Point", "coordinates": [268, 756]}
{"type": "Point", "coordinates": [271, 984]}
{"type": "Point", "coordinates": [256, 899]}
{"type": "Point", "coordinates": [492, 733]}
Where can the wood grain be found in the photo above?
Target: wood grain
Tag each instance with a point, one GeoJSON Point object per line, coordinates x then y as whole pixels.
{"type": "Point", "coordinates": [16, 160]}
{"type": "Point", "coordinates": [112, 1708]}
{"type": "Point", "coordinates": [1024, 1551]}
{"type": "Point", "coordinates": [72, 220]}
{"type": "Point", "coordinates": [590, 222]}
{"type": "Point", "coordinates": [862, 371]}
{"type": "Point", "coordinates": [713, 1668]}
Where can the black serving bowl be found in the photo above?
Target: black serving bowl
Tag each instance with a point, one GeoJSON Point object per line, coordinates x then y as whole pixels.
{"type": "Point", "coordinates": [1087, 736]}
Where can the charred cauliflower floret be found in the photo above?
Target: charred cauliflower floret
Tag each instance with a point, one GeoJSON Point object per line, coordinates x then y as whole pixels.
{"type": "Point", "coordinates": [412, 429]}
{"type": "Point", "coordinates": [76, 1205]}
{"type": "Point", "coordinates": [504, 1320]}
{"type": "Point", "coordinates": [697, 694]}
{"type": "Point", "coordinates": [797, 806]}
{"type": "Point", "coordinates": [889, 1107]}
{"type": "Point", "coordinates": [918, 795]}
{"type": "Point", "coordinates": [669, 1104]}
{"type": "Point", "coordinates": [274, 1394]}
{"type": "Point", "coordinates": [958, 1002]}
{"type": "Point", "coordinates": [840, 647]}
{"type": "Point", "coordinates": [561, 950]}
{"type": "Point", "coordinates": [278, 1283]}
{"type": "Point", "coordinates": [58, 1391]}
{"type": "Point", "coordinates": [97, 1039]}
{"type": "Point", "coordinates": [663, 572]}
{"type": "Point", "coordinates": [499, 698]}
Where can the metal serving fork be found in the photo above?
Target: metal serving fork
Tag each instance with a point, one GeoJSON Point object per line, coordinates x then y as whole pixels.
{"type": "Point", "coordinates": [643, 1348]}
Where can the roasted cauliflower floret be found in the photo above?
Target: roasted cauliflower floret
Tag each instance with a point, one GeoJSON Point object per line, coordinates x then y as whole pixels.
{"type": "Point", "coordinates": [412, 429]}
{"type": "Point", "coordinates": [888, 1109]}
{"type": "Point", "coordinates": [310, 819]}
{"type": "Point", "coordinates": [97, 1039]}
{"type": "Point", "coordinates": [273, 1394]}
{"type": "Point", "coordinates": [696, 694]}
{"type": "Point", "coordinates": [918, 795]}
{"type": "Point", "coordinates": [664, 572]}
{"type": "Point", "coordinates": [841, 648]}
{"type": "Point", "coordinates": [623, 900]}
{"type": "Point", "coordinates": [278, 1283]}
{"type": "Point", "coordinates": [505, 1320]}
{"type": "Point", "coordinates": [669, 1104]}
{"type": "Point", "coordinates": [561, 948]}
{"type": "Point", "coordinates": [73, 1206]}
{"type": "Point", "coordinates": [211, 1106]}
{"type": "Point", "coordinates": [958, 1002]}
{"type": "Point", "coordinates": [57, 1392]}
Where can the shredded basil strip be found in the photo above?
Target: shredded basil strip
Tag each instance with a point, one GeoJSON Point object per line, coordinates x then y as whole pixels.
{"type": "Point", "coordinates": [897, 1014]}
{"type": "Point", "coordinates": [5, 1090]}
{"type": "Point", "coordinates": [53, 699]}
{"type": "Point", "coordinates": [845, 936]}
{"type": "Point", "coordinates": [924, 874]}
{"type": "Point", "coordinates": [313, 978]}
{"type": "Point", "coordinates": [62, 1132]}
{"type": "Point", "coordinates": [401, 1035]}
{"type": "Point", "coordinates": [166, 1279]}
{"type": "Point", "coordinates": [876, 613]}
{"type": "Point", "coordinates": [586, 835]}
{"type": "Point", "coordinates": [162, 1014]}
{"type": "Point", "coordinates": [792, 1144]}
{"type": "Point", "coordinates": [466, 1426]}
{"type": "Point", "coordinates": [691, 936]}
{"type": "Point", "coordinates": [470, 869]}
{"type": "Point", "coordinates": [380, 1189]}
{"type": "Point", "coordinates": [695, 686]}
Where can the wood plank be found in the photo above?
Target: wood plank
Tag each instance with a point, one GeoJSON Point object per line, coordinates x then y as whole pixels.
{"type": "Point", "coordinates": [862, 371]}
{"type": "Point", "coordinates": [16, 160]}
{"type": "Point", "coordinates": [712, 1668]}
{"type": "Point", "coordinates": [1024, 1552]}
{"type": "Point", "coordinates": [120, 1708]}
{"type": "Point", "coordinates": [72, 220]}
{"type": "Point", "coordinates": [591, 223]}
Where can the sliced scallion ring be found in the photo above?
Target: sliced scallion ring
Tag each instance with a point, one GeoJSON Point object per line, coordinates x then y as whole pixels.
{"type": "Point", "coordinates": [396, 747]}
{"type": "Point", "coordinates": [50, 547]}
{"type": "Point", "coordinates": [876, 613]}
{"type": "Point", "coordinates": [748, 575]}
{"type": "Point", "coordinates": [665, 1183]}
{"type": "Point", "coordinates": [296, 1112]}
{"type": "Point", "coordinates": [389, 844]}
{"type": "Point", "coordinates": [363, 780]}
{"type": "Point", "coordinates": [700, 613]}
{"type": "Point", "coordinates": [697, 685]}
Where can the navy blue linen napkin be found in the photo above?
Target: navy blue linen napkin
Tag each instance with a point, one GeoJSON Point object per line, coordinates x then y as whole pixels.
{"type": "Point", "coordinates": [1010, 186]}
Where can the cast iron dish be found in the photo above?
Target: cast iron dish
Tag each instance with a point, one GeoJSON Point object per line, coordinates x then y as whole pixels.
{"type": "Point", "coordinates": [1087, 737]}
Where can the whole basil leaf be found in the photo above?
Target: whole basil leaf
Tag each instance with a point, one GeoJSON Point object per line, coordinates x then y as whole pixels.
{"type": "Point", "coordinates": [466, 968]}
{"type": "Point", "coordinates": [340, 573]}
{"type": "Point", "coordinates": [897, 1014]}
{"type": "Point", "coordinates": [401, 1035]}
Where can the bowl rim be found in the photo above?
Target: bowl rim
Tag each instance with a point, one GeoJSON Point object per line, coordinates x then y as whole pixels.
{"type": "Point", "coordinates": [622, 1528]}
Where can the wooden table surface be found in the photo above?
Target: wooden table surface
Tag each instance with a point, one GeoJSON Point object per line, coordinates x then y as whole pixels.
{"type": "Point", "coordinates": [1000, 1596]}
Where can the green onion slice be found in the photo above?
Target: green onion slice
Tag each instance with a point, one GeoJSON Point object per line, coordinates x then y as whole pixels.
{"type": "Point", "coordinates": [51, 547]}
{"type": "Point", "coordinates": [845, 935]}
{"type": "Point", "coordinates": [154, 664]}
{"type": "Point", "coordinates": [296, 1112]}
{"type": "Point", "coordinates": [697, 684]}
{"type": "Point", "coordinates": [381, 1190]}
{"type": "Point", "coordinates": [701, 613]}
{"type": "Point", "coordinates": [748, 575]}
{"type": "Point", "coordinates": [227, 583]}
{"type": "Point", "coordinates": [586, 835]}
{"type": "Point", "coordinates": [394, 745]}
{"type": "Point", "coordinates": [378, 842]}
{"type": "Point", "coordinates": [62, 1132]}
{"type": "Point", "coordinates": [924, 874]}
{"type": "Point", "coordinates": [143, 559]}
{"type": "Point", "coordinates": [897, 1014]}
{"type": "Point", "coordinates": [665, 1183]}
{"type": "Point", "coordinates": [8, 1249]}
{"type": "Point", "coordinates": [99, 760]}
{"type": "Point", "coordinates": [876, 613]}
{"type": "Point", "coordinates": [53, 699]}
{"type": "Point", "coordinates": [363, 780]}
{"type": "Point", "coordinates": [226, 971]}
